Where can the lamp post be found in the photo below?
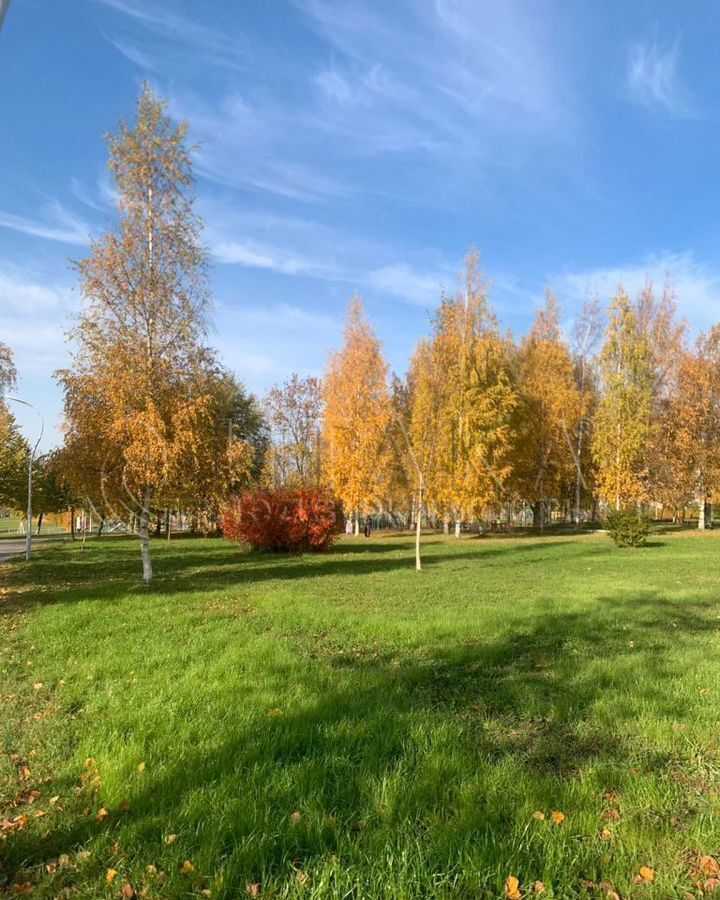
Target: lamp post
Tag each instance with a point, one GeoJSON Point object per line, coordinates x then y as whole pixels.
{"type": "Point", "coordinates": [3, 9]}
{"type": "Point", "coordinates": [28, 536]}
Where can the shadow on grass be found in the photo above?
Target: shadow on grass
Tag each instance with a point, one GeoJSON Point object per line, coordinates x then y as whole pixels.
{"type": "Point", "coordinates": [439, 728]}
{"type": "Point", "coordinates": [105, 572]}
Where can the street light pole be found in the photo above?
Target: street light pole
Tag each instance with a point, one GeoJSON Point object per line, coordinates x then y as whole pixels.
{"type": "Point", "coordinates": [3, 9]}
{"type": "Point", "coordinates": [28, 536]}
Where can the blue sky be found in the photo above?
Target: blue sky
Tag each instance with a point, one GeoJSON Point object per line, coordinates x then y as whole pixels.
{"type": "Point", "coordinates": [363, 147]}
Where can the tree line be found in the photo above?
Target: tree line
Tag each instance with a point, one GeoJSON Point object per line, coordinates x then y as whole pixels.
{"type": "Point", "coordinates": [619, 411]}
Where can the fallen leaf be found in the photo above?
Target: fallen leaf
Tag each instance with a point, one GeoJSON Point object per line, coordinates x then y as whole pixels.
{"type": "Point", "coordinates": [89, 762]}
{"type": "Point", "coordinates": [24, 773]}
{"type": "Point", "coordinates": [110, 876]}
{"type": "Point", "coordinates": [605, 834]}
{"type": "Point", "coordinates": [151, 869]}
{"type": "Point", "coordinates": [512, 888]}
{"type": "Point", "coordinates": [708, 865]}
{"type": "Point", "coordinates": [646, 876]}
{"type": "Point", "coordinates": [128, 890]}
{"type": "Point", "coordinates": [187, 867]}
{"type": "Point", "coordinates": [170, 838]}
{"type": "Point", "coordinates": [141, 767]}
{"type": "Point", "coordinates": [253, 889]}
{"type": "Point", "coordinates": [37, 686]}
{"type": "Point", "coordinates": [710, 885]}
{"type": "Point", "coordinates": [558, 817]}
{"type": "Point", "coordinates": [540, 816]}
{"type": "Point", "coordinates": [54, 800]}
{"type": "Point", "coordinates": [539, 887]}
{"type": "Point", "coordinates": [296, 818]}
{"type": "Point", "coordinates": [102, 814]}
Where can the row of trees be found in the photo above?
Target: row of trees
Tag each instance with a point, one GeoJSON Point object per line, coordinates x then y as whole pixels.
{"type": "Point", "coordinates": [624, 412]}
{"type": "Point", "coordinates": [619, 410]}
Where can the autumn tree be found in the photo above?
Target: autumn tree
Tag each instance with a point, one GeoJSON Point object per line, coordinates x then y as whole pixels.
{"type": "Point", "coordinates": [474, 427]}
{"type": "Point", "coordinates": [690, 446]}
{"type": "Point", "coordinates": [140, 395]}
{"type": "Point", "coordinates": [355, 415]}
{"type": "Point", "coordinates": [416, 413]}
{"type": "Point", "coordinates": [623, 425]}
{"type": "Point", "coordinates": [294, 413]}
{"type": "Point", "coordinates": [664, 334]}
{"type": "Point", "coordinates": [548, 413]}
{"type": "Point", "coordinates": [586, 334]}
{"type": "Point", "coordinates": [14, 449]}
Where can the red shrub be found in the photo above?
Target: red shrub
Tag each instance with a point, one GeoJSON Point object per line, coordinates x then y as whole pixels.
{"type": "Point", "coordinates": [282, 520]}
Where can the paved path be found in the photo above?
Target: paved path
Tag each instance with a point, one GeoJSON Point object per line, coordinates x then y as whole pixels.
{"type": "Point", "coordinates": [11, 548]}
{"type": "Point", "coordinates": [16, 546]}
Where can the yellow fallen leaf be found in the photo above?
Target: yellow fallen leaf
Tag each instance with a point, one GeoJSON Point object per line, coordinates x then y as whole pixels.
{"type": "Point", "coordinates": [558, 817]}
{"type": "Point", "coordinates": [540, 816]}
{"type": "Point", "coordinates": [24, 773]}
{"type": "Point", "coordinates": [89, 762]}
{"type": "Point", "coordinates": [512, 888]}
{"type": "Point", "coordinates": [141, 767]}
{"type": "Point", "coordinates": [102, 814]}
{"type": "Point", "coordinates": [110, 877]}
{"type": "Point", "coordinates": [37, 686]}
{"type": "Point", "coordinates": [170, 838]}
{"type": "Point", "coordinates": [646, 875]}
{"type": "Point", "coordinates": [296, 818]}
{"type": "Point", "coordinates": [187, 867]}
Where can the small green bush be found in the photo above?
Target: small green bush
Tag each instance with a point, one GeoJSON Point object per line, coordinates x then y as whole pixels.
{"type": "Point", "coordinates": [627, 528]}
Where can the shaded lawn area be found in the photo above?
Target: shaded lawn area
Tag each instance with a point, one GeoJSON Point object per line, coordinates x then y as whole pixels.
{"type": "Point", "coordinates": [342, 726]}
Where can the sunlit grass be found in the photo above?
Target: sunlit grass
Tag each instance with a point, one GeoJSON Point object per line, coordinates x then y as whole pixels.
{"type": "Point", "coordinates": [342, 726]}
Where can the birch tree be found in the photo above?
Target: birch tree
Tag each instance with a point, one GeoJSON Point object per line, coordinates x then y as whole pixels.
{"type": "Point", "coordinates": [548, 411]}
{"type": "Point", "coordinates": [139, 386]}
{"type": "Point", "coordinates": [474, 429]}
{"type": "Point", "coordinates": [623, 424]}
{"type": "Point", "coordinates": [294, 413]}
{"type": "Point", "coordinates": [355, 415]}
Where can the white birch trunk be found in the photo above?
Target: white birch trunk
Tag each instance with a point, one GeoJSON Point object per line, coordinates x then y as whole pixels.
{"type": "Point", "coordinates": [418, 526]}
{"type": "Point", "coordinates": [145, 537]}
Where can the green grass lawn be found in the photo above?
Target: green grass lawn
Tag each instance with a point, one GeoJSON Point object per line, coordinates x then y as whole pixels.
{"type": "Point", "coordinates": [342, 726]}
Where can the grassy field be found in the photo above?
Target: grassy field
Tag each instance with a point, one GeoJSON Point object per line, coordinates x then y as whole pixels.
{"type": "Point", "coordinates": [341, 726]}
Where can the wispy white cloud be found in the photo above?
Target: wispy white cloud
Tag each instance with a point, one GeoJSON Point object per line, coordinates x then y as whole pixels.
{"type": "Point", "coordinates": [212, 45]}
{"type": "Point", "coordinates": [284, 316]}
{"type": "Point", "coordinates": [254, 255]}
{"type": "Point", "coordinates": [57, 223]}
{"type": "Point", "coordinates": [653, 80]}
{"type": "Point", "coordinates": [401, 280]}
{"type": "Point", "coordinates": [696, 284]}
{"type": "Point", "coordinates": [31, 298]}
